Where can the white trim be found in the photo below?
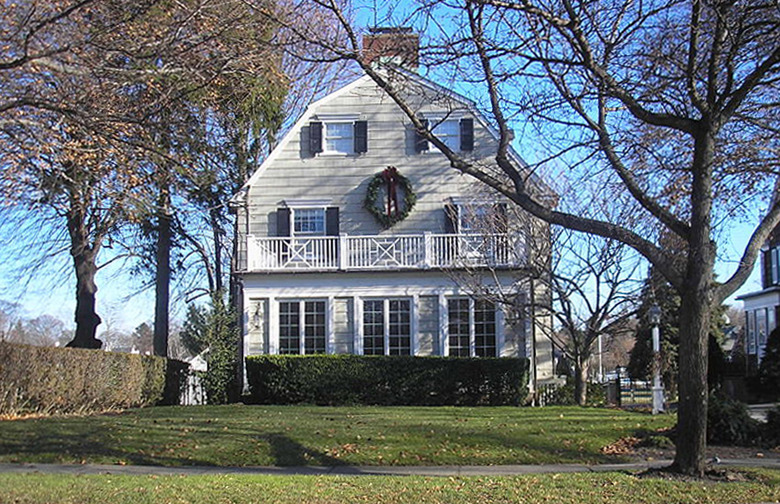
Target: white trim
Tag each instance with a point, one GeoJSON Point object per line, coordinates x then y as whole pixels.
{"type": "Point", "coordinates": [273, 326]}
{"type": "Point", "coordinates": [307, 203]}
{"type": "Point", "coordinates": [414, 324]}
{"type": "Point", "coordinates": [444, 326]}
{"type": "Point", "coordinates": [500, 334]}
{"type": "Point", "coordinates": [357, 322]}
{"type": "Point", "coordinates": [330, 326]}
{"type": "Point", "coordinates": [386, 324]}
{"type": "Point", "coordinates": [472, 328]}
{"type": "Point", "coordinates": [336, 117]}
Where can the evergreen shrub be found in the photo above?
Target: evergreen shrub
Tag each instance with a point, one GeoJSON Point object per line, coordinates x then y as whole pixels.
{"type": "Point", "coordinates": [386, 380]}
{"type": "Point", "coordinates": [730, 424]}
{"type": "Point", "coordinates": [46, 380]}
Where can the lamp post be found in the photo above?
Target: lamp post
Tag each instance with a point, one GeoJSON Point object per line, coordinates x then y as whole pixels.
{"type": "Point", "coordinates": [658, 389]}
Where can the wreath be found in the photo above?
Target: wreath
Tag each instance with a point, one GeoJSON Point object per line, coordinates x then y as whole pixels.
{"type": "Point", "coordinates": [390, 211]}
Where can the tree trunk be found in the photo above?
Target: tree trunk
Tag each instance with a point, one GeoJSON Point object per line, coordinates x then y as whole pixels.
{"type": "Point", "coordinates": [695, 313]}
{"type": "Point", "coordinates": [162, 278]}
{"type": "Point", "coordinates": [581, 380]}
{"type": "Point", "coordinates": [86, 318]}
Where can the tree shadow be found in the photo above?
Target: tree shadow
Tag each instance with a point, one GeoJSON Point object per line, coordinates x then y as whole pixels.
{"type": "Point", "coordinates": [288, 452]}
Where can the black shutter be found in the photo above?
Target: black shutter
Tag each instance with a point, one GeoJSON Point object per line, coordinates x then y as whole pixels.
{"type": "Point", "coordinates": [450, 218]}
{"type": "Point", "coordinates": [467, 134]}
{"type": "Point", "coordinates": [332, 221]}
{"type": "Point", "coordinates": [283, 221]}
{"type": "Point", "coordinates": [420, 143]}
{"type": "Point", "coordinates": [766, 273]}
{"type": "Point", "coordinates": [315, 137]}
{"type": "Point", "coordinates": [361, 136]}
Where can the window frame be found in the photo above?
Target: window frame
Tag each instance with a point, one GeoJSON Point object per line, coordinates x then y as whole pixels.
{"type": "Point", "coordinates": [388, 325]}
{"type": "Point", "coordinates": [301, 315]}
{"type": "Point", "coordinates": [474, 350]}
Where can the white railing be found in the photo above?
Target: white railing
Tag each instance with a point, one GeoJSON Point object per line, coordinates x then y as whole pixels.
{"type": "Point", "coordinates": [383, 252]}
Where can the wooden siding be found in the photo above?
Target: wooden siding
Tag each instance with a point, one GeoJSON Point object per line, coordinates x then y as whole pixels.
{"type": "Point", "coordinates": [342, 180]}
{"type": "Point", "coordinates": [428, 325]}
{"type": "Point", "coordinates": [344, 335]}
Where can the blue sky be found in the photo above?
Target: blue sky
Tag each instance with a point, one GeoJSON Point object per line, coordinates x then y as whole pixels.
{"type": "Point", "coordinates": [54, 295]}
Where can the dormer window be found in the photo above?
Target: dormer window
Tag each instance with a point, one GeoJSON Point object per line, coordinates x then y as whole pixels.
{"type": "Point", "coordinates": [338, 135]}
{"type": "Point", "coordinates": [456, 133]}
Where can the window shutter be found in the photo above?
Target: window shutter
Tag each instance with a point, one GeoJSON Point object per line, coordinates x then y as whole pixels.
{"type": "Point", "coordinates": [361, 136]}
{"type": "Point", "coordinates": [467, 134]}
{"type": "Point", "coordinates": [315, 137]}
{"type": "Point", "coordinates": [283, 221]}
{"type": "Point", "coordinates": [766, 273]}
{"type": "Point", "coordinates": [450, 218]}
{"type": "Point", "coordinates": [420, 143]}
{"type": "Point", "coordinates": [332, 221]}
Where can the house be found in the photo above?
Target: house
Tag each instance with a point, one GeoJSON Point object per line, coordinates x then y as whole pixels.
{"type": "Point", "coordinates": [762, 308]}
{"type": "Point", "coordinates": [357, 236]}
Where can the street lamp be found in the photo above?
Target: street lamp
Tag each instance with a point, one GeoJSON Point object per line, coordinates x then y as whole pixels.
{"type": "Point", "coordinates": [658, 389]}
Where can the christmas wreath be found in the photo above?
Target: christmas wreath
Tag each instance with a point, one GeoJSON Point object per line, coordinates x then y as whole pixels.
{"type": "Point", "coordinates": [390, 211]}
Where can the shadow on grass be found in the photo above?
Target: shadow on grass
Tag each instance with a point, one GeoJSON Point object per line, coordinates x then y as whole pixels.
{"type": "Point", "coordinates": [287, 452]}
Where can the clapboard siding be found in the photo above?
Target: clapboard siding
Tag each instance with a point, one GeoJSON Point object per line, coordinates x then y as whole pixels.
{"type": "Point", "coordinates": [342, 180]}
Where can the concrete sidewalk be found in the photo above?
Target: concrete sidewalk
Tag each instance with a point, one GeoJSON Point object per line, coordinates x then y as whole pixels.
{"type": "Point", "coordinates": [498, 470]}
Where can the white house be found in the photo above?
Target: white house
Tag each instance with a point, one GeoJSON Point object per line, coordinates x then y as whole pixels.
{"type": "Point", "coordinates": [762, 308]}
{"type": "Point", "coordinates": [357, 236]}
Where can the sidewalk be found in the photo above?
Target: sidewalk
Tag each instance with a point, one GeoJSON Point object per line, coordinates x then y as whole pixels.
{"type": "Point", "coordinates": [499, 470]}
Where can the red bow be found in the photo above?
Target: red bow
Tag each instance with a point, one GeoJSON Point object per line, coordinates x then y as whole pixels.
{"type": "Point", "coordinates": [390, 175]}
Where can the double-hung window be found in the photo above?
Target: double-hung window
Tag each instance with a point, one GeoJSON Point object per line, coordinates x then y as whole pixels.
{"type": "Point", "coordinates": [302, 327]}
{"type": "Point", "coordinates": [338, 135]}
{"type": "Point", "coordinates": [387, 327]}
{"type": "Point", "coordinates": [456, 133]}
{"type": "Point", "coordinates": [472, 327]}
{"type": "Point", "coordinates": [308, 222]}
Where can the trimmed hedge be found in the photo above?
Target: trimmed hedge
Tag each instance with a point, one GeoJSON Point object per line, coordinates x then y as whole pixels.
{"type": "Point", "coordinates": [386, 380]}
{"type": "Point", "coordinates": [46, 380]}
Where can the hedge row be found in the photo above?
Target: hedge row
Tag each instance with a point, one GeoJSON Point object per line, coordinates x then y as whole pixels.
{"type": "Point", "coordinates": [48, 380]}
{"type": "Point", "coordinates": [396, 380]}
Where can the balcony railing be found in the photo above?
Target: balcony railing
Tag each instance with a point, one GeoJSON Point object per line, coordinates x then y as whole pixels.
{"type": "Point", "coordinates": [384, 252]}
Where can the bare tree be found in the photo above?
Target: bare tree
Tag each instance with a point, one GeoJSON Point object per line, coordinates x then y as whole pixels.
{"type": "Point", "coordinates": [672, 105]}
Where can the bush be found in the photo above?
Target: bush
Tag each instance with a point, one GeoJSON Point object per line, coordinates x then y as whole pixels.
{"type": "Point", "coordinates": [381, 380]}
{"type": "Point", "coordinates": [771, 429]}
{"type": "Point", "coordinates": [769, 371]}
{"type": "Point", "coordinates": [49, 380]}
{"type": "Point", "coordinates": [563, 395]}
{"type": "Point", "coordinates": [728, 423]}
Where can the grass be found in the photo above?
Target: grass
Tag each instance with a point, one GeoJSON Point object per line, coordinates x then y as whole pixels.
{"type": "Point", "coordinates": [239, 435]}
{"type": "Point", "coordinates": [588, 488]}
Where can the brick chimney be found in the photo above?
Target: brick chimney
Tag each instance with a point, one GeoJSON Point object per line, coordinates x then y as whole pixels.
{"type": "Point", "coordinates": [392, 45]}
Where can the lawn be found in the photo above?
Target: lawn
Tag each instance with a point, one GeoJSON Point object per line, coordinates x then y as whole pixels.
{"type": "Point", "coordinates": [588, 488]}
{"type": "Point", "coordinates": [238, 435]}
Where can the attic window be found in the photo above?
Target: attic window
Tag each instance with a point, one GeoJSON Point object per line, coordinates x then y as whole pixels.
{"type": "Point", "coordinates": [338, 135]}
{"type": "Point", "coordinates": [457, 134]}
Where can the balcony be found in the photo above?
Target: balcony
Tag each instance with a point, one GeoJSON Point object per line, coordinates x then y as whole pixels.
{"type": "Point", "coordinates": [384, 252]}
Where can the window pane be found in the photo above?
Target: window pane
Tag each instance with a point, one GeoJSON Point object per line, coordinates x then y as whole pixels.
{"type": "Point", "coordinates": [449, 133]}
{"type": "Point", "coordinates": [309, 221]}
{"type": "Point", "coordinates": [400, 315]}
{"type": "Point", "coordinates": [338, 137]}
{"type": "Point", "coordinates": [314, 327]}
{"type": "Point", "coordinates": [484, 328]}
{"type": "Point", "coordinates": [458, 310]}
{"type": "Point", "coordinates": [289, 328]}
{"type": "Point", "coordinates": [373, 327]}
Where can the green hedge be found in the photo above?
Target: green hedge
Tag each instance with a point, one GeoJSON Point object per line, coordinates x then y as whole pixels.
{"type": "Point", "coordinates": [50, 380]}
{"type": "Point", "coordinates": [357, 379]}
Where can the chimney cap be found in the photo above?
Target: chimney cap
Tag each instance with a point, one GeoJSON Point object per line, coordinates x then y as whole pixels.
{"type": "Point", "coordinates": [382, 30]}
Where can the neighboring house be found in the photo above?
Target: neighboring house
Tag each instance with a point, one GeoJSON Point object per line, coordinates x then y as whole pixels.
{"type": "Point", "coordinates": [320, 272]}
{"type": "Point", "coordinates": [762, 308]}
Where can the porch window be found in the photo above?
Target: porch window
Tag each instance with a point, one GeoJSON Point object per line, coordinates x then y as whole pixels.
{"type": "Point", "coordinates": [308, 221]}
{"type": "Point", "coordinates": [302, 327]}
{"type": "Point", "coordinates": [387, 327]}
{"type": "Point", "coordinates": [472, 327]}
